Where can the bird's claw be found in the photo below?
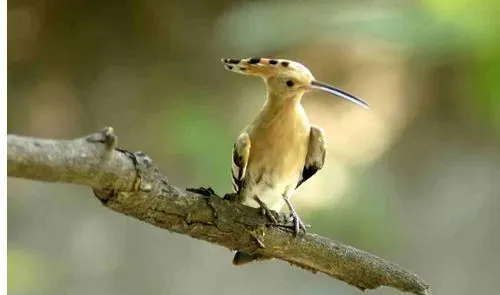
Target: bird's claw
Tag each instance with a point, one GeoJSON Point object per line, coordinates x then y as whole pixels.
{"type": "Point", "coordinates": [298, 225]}
{"type": "Point", "coordinates": [230, 197]}
{"type": "Point", "coordinates": [272, 215]}
{"type": "Point", "coordinates": [204, 191]}
{"type": "Point", "coordinates": [297, 222]}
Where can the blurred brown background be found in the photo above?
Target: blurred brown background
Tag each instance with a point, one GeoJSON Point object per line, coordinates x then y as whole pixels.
{"type": "Point", "coordinates": [414, 180]}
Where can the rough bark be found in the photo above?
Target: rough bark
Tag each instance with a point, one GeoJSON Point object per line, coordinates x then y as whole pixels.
{"type": "Point", "coordinates": [129, 183]}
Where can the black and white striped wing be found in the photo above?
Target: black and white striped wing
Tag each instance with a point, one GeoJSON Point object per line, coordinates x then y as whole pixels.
{"type": "Point", "coordinates": [315, 155]}
{"type": "Point", "coordinates": [241, 152]}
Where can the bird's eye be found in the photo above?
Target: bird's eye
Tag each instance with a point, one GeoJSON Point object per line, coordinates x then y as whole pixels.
{"type": "Point", "coordinates": [289, 83]}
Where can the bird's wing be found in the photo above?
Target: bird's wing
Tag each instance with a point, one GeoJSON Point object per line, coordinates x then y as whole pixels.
{"type": "Point", "coordinates": [315, 154]}
{"type": "Point", "coordinates": [241, 152]}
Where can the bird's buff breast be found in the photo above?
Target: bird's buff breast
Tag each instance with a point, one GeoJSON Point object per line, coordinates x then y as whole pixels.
{"type": "Point", "coordinates": [277, 157]}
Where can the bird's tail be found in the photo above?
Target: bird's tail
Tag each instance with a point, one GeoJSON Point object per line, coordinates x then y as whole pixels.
{"type": "Point", "coordinates": [241, 258]}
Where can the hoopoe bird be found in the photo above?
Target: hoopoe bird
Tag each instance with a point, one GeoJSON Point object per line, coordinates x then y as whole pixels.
{"type": "Point", "coordinates": [279, 150]}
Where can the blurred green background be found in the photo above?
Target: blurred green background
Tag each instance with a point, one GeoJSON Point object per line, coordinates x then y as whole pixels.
{"type": "Point", "coordinates": [414, 180]}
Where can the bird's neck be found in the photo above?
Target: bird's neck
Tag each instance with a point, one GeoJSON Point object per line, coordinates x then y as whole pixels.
{"type": "Point", "coordinates": [280, 109]}
{"type": "Point", "coordinates": [275, 100]}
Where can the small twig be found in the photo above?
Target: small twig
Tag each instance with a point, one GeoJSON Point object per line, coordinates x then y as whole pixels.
{"type": "Point", "coordinates": [129, 183]}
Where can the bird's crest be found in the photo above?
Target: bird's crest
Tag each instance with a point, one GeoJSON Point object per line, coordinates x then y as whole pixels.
{"type": "Point", "coordinates": [266, 67]}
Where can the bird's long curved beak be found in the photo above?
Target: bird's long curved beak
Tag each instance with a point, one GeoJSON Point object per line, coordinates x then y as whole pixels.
{"type": "Point", "coordinates": [338, 92]}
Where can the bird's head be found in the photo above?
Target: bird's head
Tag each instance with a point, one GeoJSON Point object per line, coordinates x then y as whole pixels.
{"type": "Point", "coordinates": [285, 78]}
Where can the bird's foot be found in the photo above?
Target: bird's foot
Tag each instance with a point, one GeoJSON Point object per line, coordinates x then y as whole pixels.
{"type": "Point", "coordinates": [298, 225]}
{"type": "Point", "coordinates": [272, 215]}
{"type": "Point", "coordinates": [204, 191]}
{"type": "Point", "coordinates": [230, 197]}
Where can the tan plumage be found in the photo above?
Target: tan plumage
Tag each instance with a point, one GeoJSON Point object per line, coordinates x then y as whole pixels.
{"type": "Point", "coordinates": [279, 150]}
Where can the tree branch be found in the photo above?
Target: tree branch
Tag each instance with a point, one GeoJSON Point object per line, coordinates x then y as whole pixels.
{"type": "Point", "coordinates": [129, 183]}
